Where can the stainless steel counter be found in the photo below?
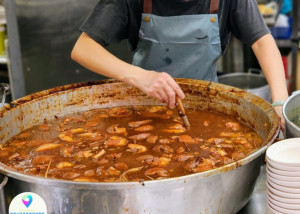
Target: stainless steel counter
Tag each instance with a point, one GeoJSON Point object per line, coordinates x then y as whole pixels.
{"type": "Point", "coordinates": [258, 201]}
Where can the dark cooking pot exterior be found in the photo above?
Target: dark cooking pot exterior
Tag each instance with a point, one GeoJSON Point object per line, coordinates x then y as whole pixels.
{"type": "Point", "coordinates": [224, 190]}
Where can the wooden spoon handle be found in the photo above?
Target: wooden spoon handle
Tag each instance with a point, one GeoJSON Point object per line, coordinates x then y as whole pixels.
{"type": "Point", "coordinates": [179, 107]}
{"type": "Point", "coordinates": [181, 113]}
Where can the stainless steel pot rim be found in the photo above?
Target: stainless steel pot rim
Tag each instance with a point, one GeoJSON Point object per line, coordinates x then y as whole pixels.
{"type": "Point", "coordinates": [3, 181]}
{"type": "Point", "coordinates": [119, 185]}
{"type": "Point", "coordinates": [293, 96]}
{"type": "Point", "coordinates": [61, 89]}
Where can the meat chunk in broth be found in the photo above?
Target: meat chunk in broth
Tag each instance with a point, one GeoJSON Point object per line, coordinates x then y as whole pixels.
{"type": "Point", "coordinates": [125, 144]}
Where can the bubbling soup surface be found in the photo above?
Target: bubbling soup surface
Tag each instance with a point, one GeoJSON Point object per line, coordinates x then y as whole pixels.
{"type": "Point", "coordinates": [121, 144]}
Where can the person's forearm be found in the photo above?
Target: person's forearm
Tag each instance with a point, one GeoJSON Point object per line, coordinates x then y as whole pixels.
{"type": "Point", "coordinates": [270, 61]}
{"type": "Point", "coordinates": [94, 57]}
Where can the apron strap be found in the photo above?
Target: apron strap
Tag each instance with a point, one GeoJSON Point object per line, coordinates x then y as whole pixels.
{"type": "Point", "coordinates": [214, 6]}
{"type": "Point", "coordinates": [147, 6]}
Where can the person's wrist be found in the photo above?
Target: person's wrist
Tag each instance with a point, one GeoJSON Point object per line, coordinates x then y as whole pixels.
{"type": "Point", "coordinates": [278, 103]}
{"type": "Point", "coordinates": [132, 77]}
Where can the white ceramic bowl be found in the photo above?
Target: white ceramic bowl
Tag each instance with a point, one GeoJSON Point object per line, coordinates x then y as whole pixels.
{"type": "Point", "coordinates": [284, 205]}
{"type": "Point", "coordinates": [282, 177]}
{"type": "Point", "coordinates": [283, 188]}
{"type": "Point", "coordinates": [283, 199]}
{"type": "Point", "coordinates": [291, 184]}
{"type": "Point", "coordinates": [272, 190]}
{"type": "Point", "coordinates": [281, 210]}
{"type": "Point", "coordinates": [285, 152]}
{"type": "Point", "coordinates": [283, 167]}
{"type": "Point", "coordinates": [282, 172]}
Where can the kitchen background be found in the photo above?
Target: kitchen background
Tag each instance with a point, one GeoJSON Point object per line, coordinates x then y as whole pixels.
{"type": "Point", "coordinates": [37, 36]}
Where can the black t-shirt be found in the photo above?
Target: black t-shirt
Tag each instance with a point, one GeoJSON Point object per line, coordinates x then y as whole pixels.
{"type": "Point", "coordinates": [114, 20]}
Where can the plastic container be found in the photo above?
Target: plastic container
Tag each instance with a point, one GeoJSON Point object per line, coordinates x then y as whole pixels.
{"type": "Point", "coordinates": [2, 15]}
{"type": "Point", "coordinates": [282, 32]}
{"type": "Point", "coordinates": [2, 38]}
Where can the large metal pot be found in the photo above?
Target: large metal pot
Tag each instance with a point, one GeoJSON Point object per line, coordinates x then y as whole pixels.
{"type": "Point", "coordinates": [252, 81]}
{"type": "Point", "coordinates": [224, 190]}
{"type": "Point", "coordinates": [291, 114]}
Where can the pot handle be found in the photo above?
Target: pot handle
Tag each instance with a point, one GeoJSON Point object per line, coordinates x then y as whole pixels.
{"type": "Point", "coordinates": [3, 90]}
{"type": "Point", "coordinates": [255, 71]}
{"type": "Point", "coordinates": [3, 182]}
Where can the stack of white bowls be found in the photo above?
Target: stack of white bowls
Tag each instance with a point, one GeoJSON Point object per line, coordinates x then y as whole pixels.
{"type": "Point", "coordinates": [283, 177]}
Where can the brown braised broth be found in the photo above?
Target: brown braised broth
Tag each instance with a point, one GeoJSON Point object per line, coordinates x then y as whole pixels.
{"type": "Point", "coordinates": [129, 144]}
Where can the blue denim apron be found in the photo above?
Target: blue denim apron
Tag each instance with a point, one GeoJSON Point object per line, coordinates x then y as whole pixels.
{"type": "Point", "coordinates": [186, 46]}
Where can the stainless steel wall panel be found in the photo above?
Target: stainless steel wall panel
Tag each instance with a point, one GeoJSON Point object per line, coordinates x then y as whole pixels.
{"type": "Point", "coordinates": [48, 30]}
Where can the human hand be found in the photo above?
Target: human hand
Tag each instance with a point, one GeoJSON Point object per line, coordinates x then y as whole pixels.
{"type": "Point", "coordinates": [162, 86]}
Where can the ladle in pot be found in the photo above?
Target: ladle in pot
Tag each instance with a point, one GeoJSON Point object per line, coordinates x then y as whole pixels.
{"type": "Point", "coordinates": [181, 113]}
